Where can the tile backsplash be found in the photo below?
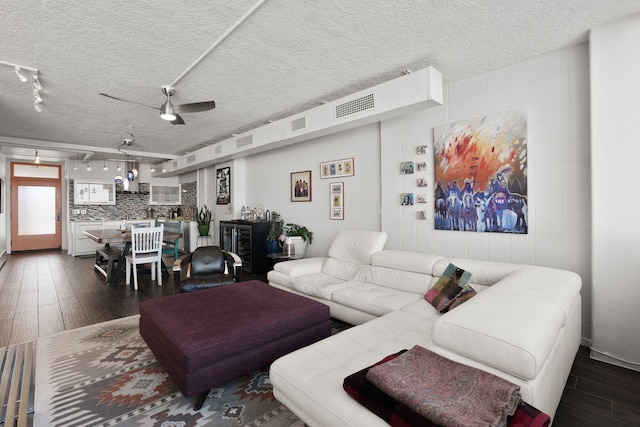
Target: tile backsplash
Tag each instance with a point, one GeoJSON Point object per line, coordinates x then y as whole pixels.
{"type": "Point", "coordinates": [133, 205]}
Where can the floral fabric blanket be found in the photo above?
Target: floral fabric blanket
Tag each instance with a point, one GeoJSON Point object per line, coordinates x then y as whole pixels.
{"type": "Point", "coordinates": [446, 392]}
{"type": "Point", "coordinates": [397, 414]}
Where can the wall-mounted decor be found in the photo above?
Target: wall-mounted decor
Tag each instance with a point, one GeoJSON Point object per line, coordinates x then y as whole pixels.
{"type": "Point", "coordinates": [406, 199]}
{"type": "Point", "coordinates": [301, 186]}
{"type": "Point", "coordinates": [406, 168]}
{"type": "Point", "coordinates": [421, 149]}
{"type": "Point", "coordinates": [422, 215]}
{"type": "Point", "coordinates": [421, 166]}
{"type": "Point", "coordinates": [337, 200]}
{"type": "Point", "coordinates": [421, 182]}
{"type": "Point", "coordinates": [421, 198]}
{"type": "Point", "coordinates": [223, 186]}
{"type": "Point", "coordinates": [481, 174]}
{"type": "Point", "coordinates": [337, 168]}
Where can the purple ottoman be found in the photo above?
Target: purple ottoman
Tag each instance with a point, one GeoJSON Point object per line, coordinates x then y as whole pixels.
{"type": "Point", "coordinates": [206, 338]}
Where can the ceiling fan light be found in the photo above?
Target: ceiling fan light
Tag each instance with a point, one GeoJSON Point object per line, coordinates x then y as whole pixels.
{"type": "Point", "coordinates": [166, 112]}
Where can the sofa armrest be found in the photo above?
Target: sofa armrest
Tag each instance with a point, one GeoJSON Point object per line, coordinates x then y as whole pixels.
{"type": "Point", "coordinates": [300, 267]}
{"type": "Point", "coordinates": [180, 269]}
{"type": "Point", "coordinates": [235, 262]}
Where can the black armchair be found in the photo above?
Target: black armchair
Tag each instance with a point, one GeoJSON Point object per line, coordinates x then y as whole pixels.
{"type": "Point", "coordinates": [206, 267]}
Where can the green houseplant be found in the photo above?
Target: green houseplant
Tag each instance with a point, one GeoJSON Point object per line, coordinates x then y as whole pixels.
{"type": "Point", "coordinates": [298, 230]}
{"type": "Point", "coordinates": [204, 220]}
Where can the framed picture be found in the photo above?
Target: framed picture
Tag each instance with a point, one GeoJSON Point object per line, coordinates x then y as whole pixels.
{"type": "Point", "coordinates": [337, 168]}
{"type": "Point", "coordinates": [337, 200]}
{"type": "Point", "coordinates": [421, 149]}
{"type": "Point", "coordinates": [421, 166]}
{"type": "Point", "coordinates": [223, 186]}
{"type": "Point", "coordinates": [422, 182]}
{"type": "Point", "coordinates": [406, 199]}
{"type": "Point", "coordinates": [406, 168]}
{"type": "Point", "coordinates": [301, 186]}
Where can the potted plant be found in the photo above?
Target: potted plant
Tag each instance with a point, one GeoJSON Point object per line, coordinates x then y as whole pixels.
{"type": "Point", "coordinates": [204, 220]}
{"type": "Point", "coordinates": [273, 242]}
{"type": "Point", "coordinates": [297, 237]}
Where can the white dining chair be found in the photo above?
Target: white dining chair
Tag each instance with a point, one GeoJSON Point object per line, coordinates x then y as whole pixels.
{"type": "Point", "coordinates": [146, 247]}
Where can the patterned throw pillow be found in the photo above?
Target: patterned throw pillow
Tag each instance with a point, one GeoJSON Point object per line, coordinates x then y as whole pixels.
{"type": "Point", "coordinates": [451, 287]}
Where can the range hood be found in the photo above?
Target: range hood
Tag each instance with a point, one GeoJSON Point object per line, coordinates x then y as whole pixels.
{"type": "Point", "coordinates": [412, 92]}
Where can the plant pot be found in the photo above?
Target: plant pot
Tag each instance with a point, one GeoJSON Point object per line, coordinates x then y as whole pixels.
{"type": "Point", "coordinates": [203, 229]}
{"type": "Point", "coordinates": [294, 246]}
{"type": "Point", "coordinates": [272, 246]}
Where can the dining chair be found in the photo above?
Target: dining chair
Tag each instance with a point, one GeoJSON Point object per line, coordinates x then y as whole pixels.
{"type": "Point", "coordinates": [170, 247]}
{"type": "Point", "coordinates": [146, 247]}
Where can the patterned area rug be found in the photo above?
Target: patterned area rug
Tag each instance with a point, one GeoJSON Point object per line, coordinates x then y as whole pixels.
{"type": "Point", "coordinates": [105, 375]}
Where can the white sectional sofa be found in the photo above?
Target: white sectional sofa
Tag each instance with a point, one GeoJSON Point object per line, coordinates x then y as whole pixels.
{"type": "Point", "coordinates": [524, 325]}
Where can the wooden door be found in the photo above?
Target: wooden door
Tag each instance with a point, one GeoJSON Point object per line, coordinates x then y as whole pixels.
{"type": "Point", "coordinates": [35, 207]}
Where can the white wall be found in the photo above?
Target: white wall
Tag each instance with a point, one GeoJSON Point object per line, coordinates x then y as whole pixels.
{"type": "Point", "coordinates": [615, 69]}
{"type": "Point", "coordinates": [4, 225]}
{"type": "Point", "coordinates": [268, 183]}
{"type": "Point", "coordinates": [554, 89]}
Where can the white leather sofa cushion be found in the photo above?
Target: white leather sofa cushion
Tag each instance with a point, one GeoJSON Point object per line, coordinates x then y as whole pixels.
{"type": "Point", "coordinates": [373, 299]}
{"type": "Point", "coordinates": [406, 261]}
{"type": "Point", "coordinates": [340, 269]}
{"type": "Point", "coordinates": [300, 266]}
{"type": "Point", "coordinates": [357, 246]}
{"type": "Point", "coordinates": [483, 273]}
{"type": "Point", "coordinates": [318, 285]}
{"type": "Point", "coordinates": [406, 281]}
{"type": "Point", "coordinates": [489, 329]}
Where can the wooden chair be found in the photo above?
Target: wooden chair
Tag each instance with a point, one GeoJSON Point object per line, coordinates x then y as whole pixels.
{"type": "Point", "coordinates": [146, 247]}
{"type": "Point", "coordinates": [170, 247]}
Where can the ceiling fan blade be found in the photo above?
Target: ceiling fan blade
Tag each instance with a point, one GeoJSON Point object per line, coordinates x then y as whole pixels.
{"type": "Point", "coordinates": [127, 100]}
{"type": "Point", "coordinates": [177, 121]}
{"type": "Point", "coordinates": [195, 107]}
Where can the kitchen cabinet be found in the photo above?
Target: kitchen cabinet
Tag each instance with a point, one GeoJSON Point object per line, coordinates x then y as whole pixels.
{"type": "Point", "coordinates": [94, 192]}
{"type": "Point", "coordinates": [165, 195]}
{"type": "Point", "coordinates": [81, 244]}
{"type": "Point", "coordinates": [247, 240]}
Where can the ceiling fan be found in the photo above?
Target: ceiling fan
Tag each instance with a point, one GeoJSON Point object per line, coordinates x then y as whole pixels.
{"type": "Point", "coordinates": [168, 111]}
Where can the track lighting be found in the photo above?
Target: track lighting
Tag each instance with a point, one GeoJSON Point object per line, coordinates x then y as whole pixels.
{"type": "Point", "coordinates": [36, 160]}
{"type": "Point", "coordinates": [104, 165]}
{"type": "Point", "coordinates": [88, 167]}
{"type": "Point", "coordinates": [37, 86]}
{"type": "Point", "coordinates": [152, 170]}
{"type": "Point", "coordinates": [21, 76]}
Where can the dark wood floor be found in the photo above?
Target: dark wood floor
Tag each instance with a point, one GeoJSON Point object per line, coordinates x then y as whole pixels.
{"type": "Point", "coordinates": [47, 292]}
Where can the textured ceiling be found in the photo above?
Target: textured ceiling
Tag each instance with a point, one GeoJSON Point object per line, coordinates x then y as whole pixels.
{"type": "Point", "coordinates": [288, 56]}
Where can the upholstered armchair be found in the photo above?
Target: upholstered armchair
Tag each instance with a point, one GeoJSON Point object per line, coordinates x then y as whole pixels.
{"type": "Point", "coordinates": [206, 267]}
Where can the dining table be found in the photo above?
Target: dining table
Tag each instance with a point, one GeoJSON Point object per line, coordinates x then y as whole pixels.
{"type": "Point", "coordinates": [107, 237]}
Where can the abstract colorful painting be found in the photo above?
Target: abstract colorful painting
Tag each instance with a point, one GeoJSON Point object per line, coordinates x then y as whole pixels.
{"type": "Point", "coordinates": [481, 174]}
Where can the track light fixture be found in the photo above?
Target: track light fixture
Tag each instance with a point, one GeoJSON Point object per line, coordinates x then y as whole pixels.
{"type": "Point", "coordinates": [36, 160]}
{"type": "Point", "coordinates": [37, 86]}
{"type": "Point", "coordinates": [18, 70]}
{"type": "Point", "coordinates": [88, 167]}
{"type": "Point", "coordinates": [104, 165]}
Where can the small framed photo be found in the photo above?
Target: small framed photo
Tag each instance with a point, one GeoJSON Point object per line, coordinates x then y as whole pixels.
{"type": "Point", "coordinates": [406, 199]}
{"type": "Point", "coordinates": [421, 198]}
{"type": "Point", "coordinates": [421, 149]}
{"type": "Point", "coordinates": [223, 186]}
{"type": "Point", "coordinates": [406, 168]}
{"type": "Point", "coordinates": [421, 166]}
{"type": "Point", "coordinates": [301, 186]}
{"type": "Point", "coordinates": [422, 215]}
{"type": "Point", "coordinates": [422, 182]}
{"type": "Point", "coordinates": [337, 200]}
{"type": "Point", "coordinates": [337, 168]}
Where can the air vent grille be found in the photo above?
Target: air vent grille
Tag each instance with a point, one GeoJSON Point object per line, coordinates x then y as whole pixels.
{"type": "Point", "coordinates": [298, 124]}
{"type": "Point", "coordinates": [354, 106]}
{"type": "Point", "coordinates": [218, 148]}
{"type": "Point", "coordinates": [191, 158]}
{"type": "Point", "coordinates": [244, 141]}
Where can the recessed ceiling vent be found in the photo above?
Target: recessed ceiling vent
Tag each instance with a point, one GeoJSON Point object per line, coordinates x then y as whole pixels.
{"type": "Point", "coordinates": [298, 124]}
{"type": "Point", "coordinates": [191, 158]}
{"type": "Point", "coordinates": [355, 106]}
{"type": "Point", "coordinates": [218, 148]}
{"type": "Point", "coordinates": [244, 141]}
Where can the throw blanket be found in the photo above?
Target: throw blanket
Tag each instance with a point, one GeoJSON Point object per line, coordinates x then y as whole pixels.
{"type": "Point", "coordinates": [446, 392]}
{"type": "Point", "coordinates": [397, 414]}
